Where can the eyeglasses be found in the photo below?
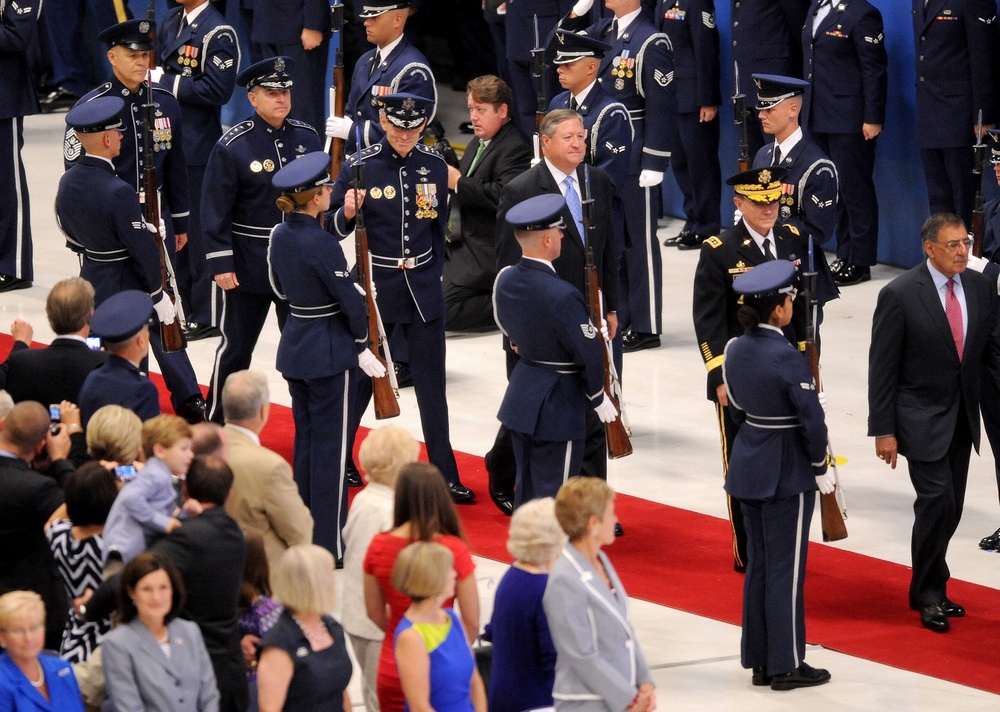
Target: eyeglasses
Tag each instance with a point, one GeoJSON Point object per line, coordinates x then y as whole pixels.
{"type": "Point", "coordinates": [953, 245]}
{"type": "Point", "coordinates": [24, 632]}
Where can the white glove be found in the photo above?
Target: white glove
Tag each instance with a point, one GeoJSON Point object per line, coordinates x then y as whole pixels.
{"type": "Point", "coordinates": [165, 310]}
{"type": "Point", "coordinates": [582, 8]}
{"type": "Point", "coordinates": [156, 74]}
{"type": "Point", "coordinates": [977, 263]}
{"type": "Point", "coordinates": [826, 483]}
{"type": "Point", "coordinates": [361, 290]}
{"type": "Point", "coordinates": [737, 216]}
{"type": "Point", "coordinates": [606, 410]}
{"type": "Point", "coordinates": [163, 229]}
{"type": "Point", "coordinates": [535, 162]}
{"type": "Point", "coordinates": [822, 401]}
{"type": "Point", "coordinates": [648, 178]}
{"type": "Point", "coordinates": [605, 334]}
{"type": "Point", "coordinates": [370, 364]}
{"type": "Point", "coordinates": [338, 127]}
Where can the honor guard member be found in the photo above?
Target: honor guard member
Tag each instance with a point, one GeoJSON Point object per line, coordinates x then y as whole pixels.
{"type": "Point", "coordinates": [759, 236]}
{"type": "Point", "coordinates": [809, 193]}
{"type": "Point", "coordinates": [690, 25]}
{"type": "Point", "coordinates": [238, 213]}
{"type": "Point", "coordinates": [299, 29]}
{"type": "Point", "coordinates": [20, 23]}
{"type": "Point", "coordinates": [560, 372]}
{"type": "Point", "coordinates": [778, 463]}
{"type": "Point", "coordinates": [130, 47]}
{"type": "Point", "coordinates": [122, 323]}
{"type": "Point", "coordinates": [638, 72]}
{"type": "Point", "coordinates": [405, 210]}
{"type": "Point", "coordinates": [104, 224]}
{"type": "Point", "coordinates": [846, 66]}
{"type": "Point", "coordinates": [323, 344]}
{"type": "Point", "coordinates": [200, 57]}
{"type": "Point", "coordinates": [394, 67]}
{"type": "Point", "coordinates": [957, 77]}
{"type": "Point", "coordinates": [766, 36]}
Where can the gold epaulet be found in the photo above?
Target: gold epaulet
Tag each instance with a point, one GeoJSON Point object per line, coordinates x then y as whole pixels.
{"type": "Point", "coordinates": [791, 228]}
{"type": "Point", "coordinates": [714, 241]}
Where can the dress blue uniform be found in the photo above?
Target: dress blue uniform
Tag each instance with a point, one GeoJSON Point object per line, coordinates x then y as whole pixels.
{"type": "Point", "coordinates": [405, 210]}
{"type": "Point", "coordinates": [18, 30]}
{"type": "Point", "coordinates": [956, 59]}
{"type": "Point", "coordinates": [846, 64]}
{"type": "Point", "coordinates": [560, 372]}
{"type": "Point", "coordinates": [318, 352]}
{"type": "Point", "coordinates": [276, 30]}
{"type": "Point", "coordinates": [200, 61]}
{"type": "Point", "coordinates": [237, 217]}
{"type": "Point", "coordinates": [766, 40]}
{"type": "Point", "coordinates": [404, 71]}
{"type": "Point", "coordinates": [989, 402]}
{"type": "Point", "coordinates": [638, 71]}
{"type": "Point", "coordinates": [778, 453]}
{"type": "Point", "coordinates": [690, 25]}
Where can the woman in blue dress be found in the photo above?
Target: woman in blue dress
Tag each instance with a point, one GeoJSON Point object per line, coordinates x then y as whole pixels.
{"type": "Point", "coordinates": [436, 667]}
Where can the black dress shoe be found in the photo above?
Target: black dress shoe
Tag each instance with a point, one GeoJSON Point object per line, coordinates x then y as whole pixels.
{"type": "Point", "coordinates": [9, 283]}
{"type": "Point", "coordinates": [933, 617]}
{"type": "Point", "coordinates": [991, 542]}
{"type": "Point", "coordinates": [692, 242]}
{"type": "Point", "coordinates": [760, 677]}
{"type": "Point", "coordinates": [193, 410]}
{"type": "Point", "coordinates": [952, 609]}
{"type": "Point", "coordinates": [193, 331]}
{"type": "Point", "coordinates": [460, 494]}
{"type": "Point", "coordinates": [403, 377]}
{"type": "Point", "coordinates": [676, 239]}
{"type": "Point", "coordinates": [836, 266]}
{"type": "Point", "coordinates": [852, 274]}
{"type": "Point", "coordinates": [58, 100]}
{"type": "Point", "coordinates": [618, 529]}
{"type": "Point", "coordinates": [637, 341]}
{"type": "Point", "coordinates": [802, 676]}
{"type": "Point", "coordinates": [503, 501]}
{"type": "Point", "coordinates": [353, 476]}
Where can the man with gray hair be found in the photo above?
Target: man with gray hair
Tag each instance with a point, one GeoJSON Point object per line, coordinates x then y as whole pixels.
{"type": "Point", "coordinates": [264, 495]}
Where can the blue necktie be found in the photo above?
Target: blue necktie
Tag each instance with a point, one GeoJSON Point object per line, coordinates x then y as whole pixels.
{"type": "Point", "coordinates": [575, 207]}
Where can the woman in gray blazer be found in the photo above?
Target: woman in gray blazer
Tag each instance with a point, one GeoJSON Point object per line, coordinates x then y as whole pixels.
{"type": "Point", "coordinates": [599, 666]}
{"type": "Point", "coordinates": [154, 661]}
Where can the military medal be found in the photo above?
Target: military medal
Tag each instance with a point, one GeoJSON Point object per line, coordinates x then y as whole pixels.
{"type": "Point", "coordinates": [256, 167]}
{"type": "Point", "coordinates": [786, 212]}
{"type": "Point", "coordinates": [619, 84]}
{"type": "Point", "coordinates": [427, 200]}
{"type": "Point", "coordinates": [268, 165]}
{"type": "Point", "coordinates": [389, 192]}
{"type": "Point", "coordinates": [375, 193]}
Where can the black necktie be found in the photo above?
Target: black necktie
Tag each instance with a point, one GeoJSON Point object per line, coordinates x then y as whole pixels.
{"type": "Point", "coordinates": [768, 255]}
{"type": "Point", "coordinates": [183, 25]}
{"type": "Point", "coordinates": [776, 158]}
{"type": "Point", "coordinates": [573, 103]}
{"type": "Point", "coordinates": [614, 29]}
{"type": "Point", "coordinates": [375, 63]}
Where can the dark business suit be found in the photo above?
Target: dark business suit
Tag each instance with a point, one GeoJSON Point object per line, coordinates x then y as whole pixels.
{"type": "Point", "coordinates": [956, 59]}
{"type": "Point", "coordinates": [470, 266]}
{"type": "Point", "coordinates": [923, 394]}
{"type": "Point", "coordinates": [52, 374]}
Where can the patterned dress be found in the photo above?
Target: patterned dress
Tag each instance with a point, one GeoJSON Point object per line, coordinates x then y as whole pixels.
{"type": "Point", "coordinates": [79, 565]}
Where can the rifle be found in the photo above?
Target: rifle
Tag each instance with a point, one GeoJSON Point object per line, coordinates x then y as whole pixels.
{"type": "Point", "coordinates": [832, 510]}
{"type": "Point", "coordinates": [615, 432]}
{"type": "Point", "coordinates": [978, 168]}
{"type": "Point", "coordinates": [335, 147]}
{"type": "Point", "coordinates": [741, 115]}
{"type": "Point", "coordinates": [538, 74]}
{"type": "Point", "coordinates": [386, 405]}
{"type": "Point", "coordinates": [171, 335]}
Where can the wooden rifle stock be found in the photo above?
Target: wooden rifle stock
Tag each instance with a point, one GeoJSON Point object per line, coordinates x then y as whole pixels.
{"type": "Point", "coordinates": [616, 435]}
{"type": "Point", "coordinates": [386, 405]}
{"type": "Point", "coordinates": [171, 335]}
{"type": "Point", "coordinates": [337, 107]}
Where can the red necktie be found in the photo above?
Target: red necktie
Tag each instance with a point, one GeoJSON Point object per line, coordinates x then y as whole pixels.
{"type": "Point", "coordinates": [953, 310]}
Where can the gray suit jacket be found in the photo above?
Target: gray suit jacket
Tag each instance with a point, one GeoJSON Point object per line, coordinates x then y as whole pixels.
{"type": "Point", "coordinates": [141, 678]}
{"type": "Point", "coordinates": [599, 665]}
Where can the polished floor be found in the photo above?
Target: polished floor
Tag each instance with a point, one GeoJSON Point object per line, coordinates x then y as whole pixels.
{"type": "Point", "coordinates": [676, 461]}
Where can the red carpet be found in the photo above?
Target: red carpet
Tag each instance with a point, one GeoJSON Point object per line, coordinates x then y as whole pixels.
{"type": "Point", "coordinates": [856, 604]}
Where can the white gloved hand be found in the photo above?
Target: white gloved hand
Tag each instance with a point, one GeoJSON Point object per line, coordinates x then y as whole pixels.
{"type": "Point", "coordinates": [826, 482]}
{"type": "Point", "coordinates": [535, 162]}
{"type": "Point", "coordinates": [977, 263]}
{"type": "Point", "coordinates": [822, 401]}
{"type": "Point", "coordinates": [604, 330]}
{"type": "Point", "coordinates": [606, 410]}
{"type": "Point", "coordinates": [165, 311]}
{"type": "Point", "coordinates": [361, 290]}
{"type": "Point", "coordinates": [370, 364]}
{"type": "Point", "coordinates": [338, 127]}
{"type": "Point", "coordinates": [582, 7]}
{"type": "Point", "coordinates": [648, 178]}
{"type": "Point", "coordinates": [163, 229]}
{"type": "Point", "coordinates": [156, 74]}
{"type": "Point", "coordinates": [737, 216]}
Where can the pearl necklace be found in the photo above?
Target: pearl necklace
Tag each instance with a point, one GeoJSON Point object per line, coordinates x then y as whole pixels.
{"type": "Point", "coordinates": [41, 677]}
{"type": "Point", "coordinates": [313, 638]}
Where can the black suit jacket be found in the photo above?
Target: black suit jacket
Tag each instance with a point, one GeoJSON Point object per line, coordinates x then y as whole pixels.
{"type": "Point", "coordinates": [916, 382]}
{"type": "Point", "coordinates": [473, 261]}
{"type": "Point", "coordinates": [51, 374]}
{"type": "Point", "coordinates": [569, 265]}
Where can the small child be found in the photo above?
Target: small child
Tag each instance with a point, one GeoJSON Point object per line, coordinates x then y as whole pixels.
{"type": "Point", "coordinates": [147, 506]}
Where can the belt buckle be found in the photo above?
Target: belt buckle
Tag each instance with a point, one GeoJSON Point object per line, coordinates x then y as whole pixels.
{"type": "Point", "coordinates": [408, 263]}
